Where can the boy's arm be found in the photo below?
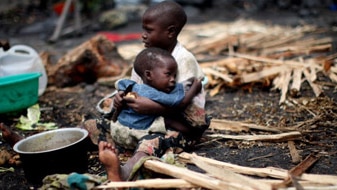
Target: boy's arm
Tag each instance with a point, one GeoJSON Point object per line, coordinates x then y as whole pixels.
{"type": "Point", "coordinates": [191, 92]}
{"type": "Point", "coordinates": [144, 105]}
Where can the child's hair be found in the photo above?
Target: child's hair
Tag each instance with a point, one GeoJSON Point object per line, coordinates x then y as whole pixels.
{"type": "Point", "coordinates": [150, 58]}
{"type": "Point", "coordinates": [170, 13]}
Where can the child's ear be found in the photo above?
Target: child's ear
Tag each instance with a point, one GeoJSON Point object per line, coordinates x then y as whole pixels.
{"type": "Point", "coordinates": [148, 75]}
{"type": "Point", "coordinates": [172, 30]}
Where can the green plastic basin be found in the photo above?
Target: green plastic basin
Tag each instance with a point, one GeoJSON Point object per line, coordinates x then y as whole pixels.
{"type": "Point", "coordinates": [18, 92]}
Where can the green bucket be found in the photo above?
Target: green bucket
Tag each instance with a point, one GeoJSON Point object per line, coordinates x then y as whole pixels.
{"type": "Point", "coordinates": [18, 92]}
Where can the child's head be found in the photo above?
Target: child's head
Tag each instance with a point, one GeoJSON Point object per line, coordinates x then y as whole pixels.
{"type": "Point", "coordinates": [157, 68]}
{"type": "Point", "coordinates": [162, 24]}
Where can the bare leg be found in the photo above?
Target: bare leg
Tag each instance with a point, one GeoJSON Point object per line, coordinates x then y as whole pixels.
{"type": "Point", "coordinates": [129, 165]}
{"type": "Point", "coordinates": [109, 157]}
{"type": "Point", "coordinates": [177, 125]}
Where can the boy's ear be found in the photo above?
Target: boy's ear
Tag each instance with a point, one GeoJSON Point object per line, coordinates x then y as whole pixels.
{"type": "Point", "coordinates": [148, 75]}
{"type": "Point", "coordinates": [172, 30]}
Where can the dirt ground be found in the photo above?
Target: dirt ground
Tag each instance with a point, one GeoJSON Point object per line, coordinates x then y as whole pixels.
{"type": "Point", "coordinates": [69, 106]}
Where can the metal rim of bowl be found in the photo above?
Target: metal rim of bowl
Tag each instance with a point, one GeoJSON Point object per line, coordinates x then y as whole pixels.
{"type": "Point", "coordinates": [16, 146]}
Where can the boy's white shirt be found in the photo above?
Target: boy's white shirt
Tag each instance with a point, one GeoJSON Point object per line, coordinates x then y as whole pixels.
{"type": "Point", "coordinates": [187, 67]}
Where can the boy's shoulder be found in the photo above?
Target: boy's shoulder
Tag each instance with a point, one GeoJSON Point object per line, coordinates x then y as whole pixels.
{"type": "Point", "coordinates": [180, 52]}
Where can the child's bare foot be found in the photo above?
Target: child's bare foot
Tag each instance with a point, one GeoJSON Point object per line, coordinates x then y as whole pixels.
{"type": "Point", "coordinates": [109, 157]}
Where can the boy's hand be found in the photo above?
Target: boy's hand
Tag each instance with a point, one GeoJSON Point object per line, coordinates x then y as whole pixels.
{"type": "Point", "coordinates": [118, 100]}
{"type": "Point", "coordinates": [140, 104]}
{"type": "Point", "coordinates": [194, 83]}
{"type": "Point", "coordinates": [197, 85]}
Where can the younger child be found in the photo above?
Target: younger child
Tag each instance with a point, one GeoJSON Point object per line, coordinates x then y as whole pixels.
{"type": "Point", "coordinates": [158, 70]}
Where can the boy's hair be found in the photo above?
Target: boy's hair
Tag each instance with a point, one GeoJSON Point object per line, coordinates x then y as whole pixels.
{"type": "Point", "coordinates": [170, 13]}
{"type": "Point", "coordinates": [150, 58]}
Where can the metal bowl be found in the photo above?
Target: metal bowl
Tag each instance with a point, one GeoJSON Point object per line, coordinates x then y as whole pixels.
{"type": "Point", "coordinates": [59, 151]}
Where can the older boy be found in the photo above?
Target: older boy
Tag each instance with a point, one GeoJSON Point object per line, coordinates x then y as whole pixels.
{"type": "Point", "coordinates": [162, 24]}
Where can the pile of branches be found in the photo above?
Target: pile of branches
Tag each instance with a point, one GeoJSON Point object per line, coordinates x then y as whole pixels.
{"type": "Point", "coordinates": [247, 52]}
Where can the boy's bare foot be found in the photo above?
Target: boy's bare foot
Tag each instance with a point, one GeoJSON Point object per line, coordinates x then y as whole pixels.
{"type": "Point", "coordinates": [109, 157]}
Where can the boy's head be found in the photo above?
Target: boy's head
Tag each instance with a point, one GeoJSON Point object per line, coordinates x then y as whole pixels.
{"type": "Point", "coordinates": [157, 68]}
{"type": "Point", "coordinates": [162, 24]}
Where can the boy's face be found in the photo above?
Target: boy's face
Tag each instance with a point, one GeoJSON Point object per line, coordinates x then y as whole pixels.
{"type": "Point", "coordinates": [154, 33]}
{"type": "Point", "coordinates": [163, 78]}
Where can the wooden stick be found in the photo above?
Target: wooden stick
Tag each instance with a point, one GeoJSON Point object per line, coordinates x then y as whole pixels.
{"type": "Point", "coordinates": [285, 84]}
{"type": "Point", "coordinates": [253, 77]}
{"type": "Point", "coordinates": [298, 170]}
{"type": "Point", "coordinates": [195, 178]}
{"type": "Point", "coordinates": [295, 156]}
{"type": "Point", "coordinates": [217, 74]}
{"type": "Point", "coordinates": [223, 124]}
{"type": "Point", "coordinates": [273, 172]}
{"type": "Point", "coordinates": [317, 90]}
{"type": "Point", "coordinates": [291, 64]}
{"type": "Point", "coordinates": [148, 183]}
{"type": "Point", "coordinates": [261, 172]}
{"type": "Point", "coordinates": [228, 175]}
{"type": "Point", "coordinates": [61, 21]}
{"type": "Point", "coordinates": [216, 89]}
{"type": "Point", "coordinates": [278, 137]}
{"type": "Point", "coordinates": [296, 83]}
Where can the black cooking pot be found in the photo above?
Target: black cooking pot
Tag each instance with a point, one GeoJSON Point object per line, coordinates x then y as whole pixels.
{"type": "Point", "coordinates": [59, 151]}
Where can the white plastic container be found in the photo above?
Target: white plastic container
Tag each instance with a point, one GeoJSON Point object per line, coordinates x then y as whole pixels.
{"type": "Point", "coordinates": [21, 59]}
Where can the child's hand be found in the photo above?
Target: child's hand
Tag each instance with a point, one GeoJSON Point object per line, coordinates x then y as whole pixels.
{"type": "Point", "coordinates": [140, 104]}
{"type": "Point", "coordinates": [197, 85]}
{"type": "Point", "coordinates": [118, 100]}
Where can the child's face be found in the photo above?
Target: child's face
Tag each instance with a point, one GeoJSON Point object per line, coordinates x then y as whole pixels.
{"type": "Point", "coordinates": [154, 34]}
{"type": "Point", "coordinates": [163, 78]}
